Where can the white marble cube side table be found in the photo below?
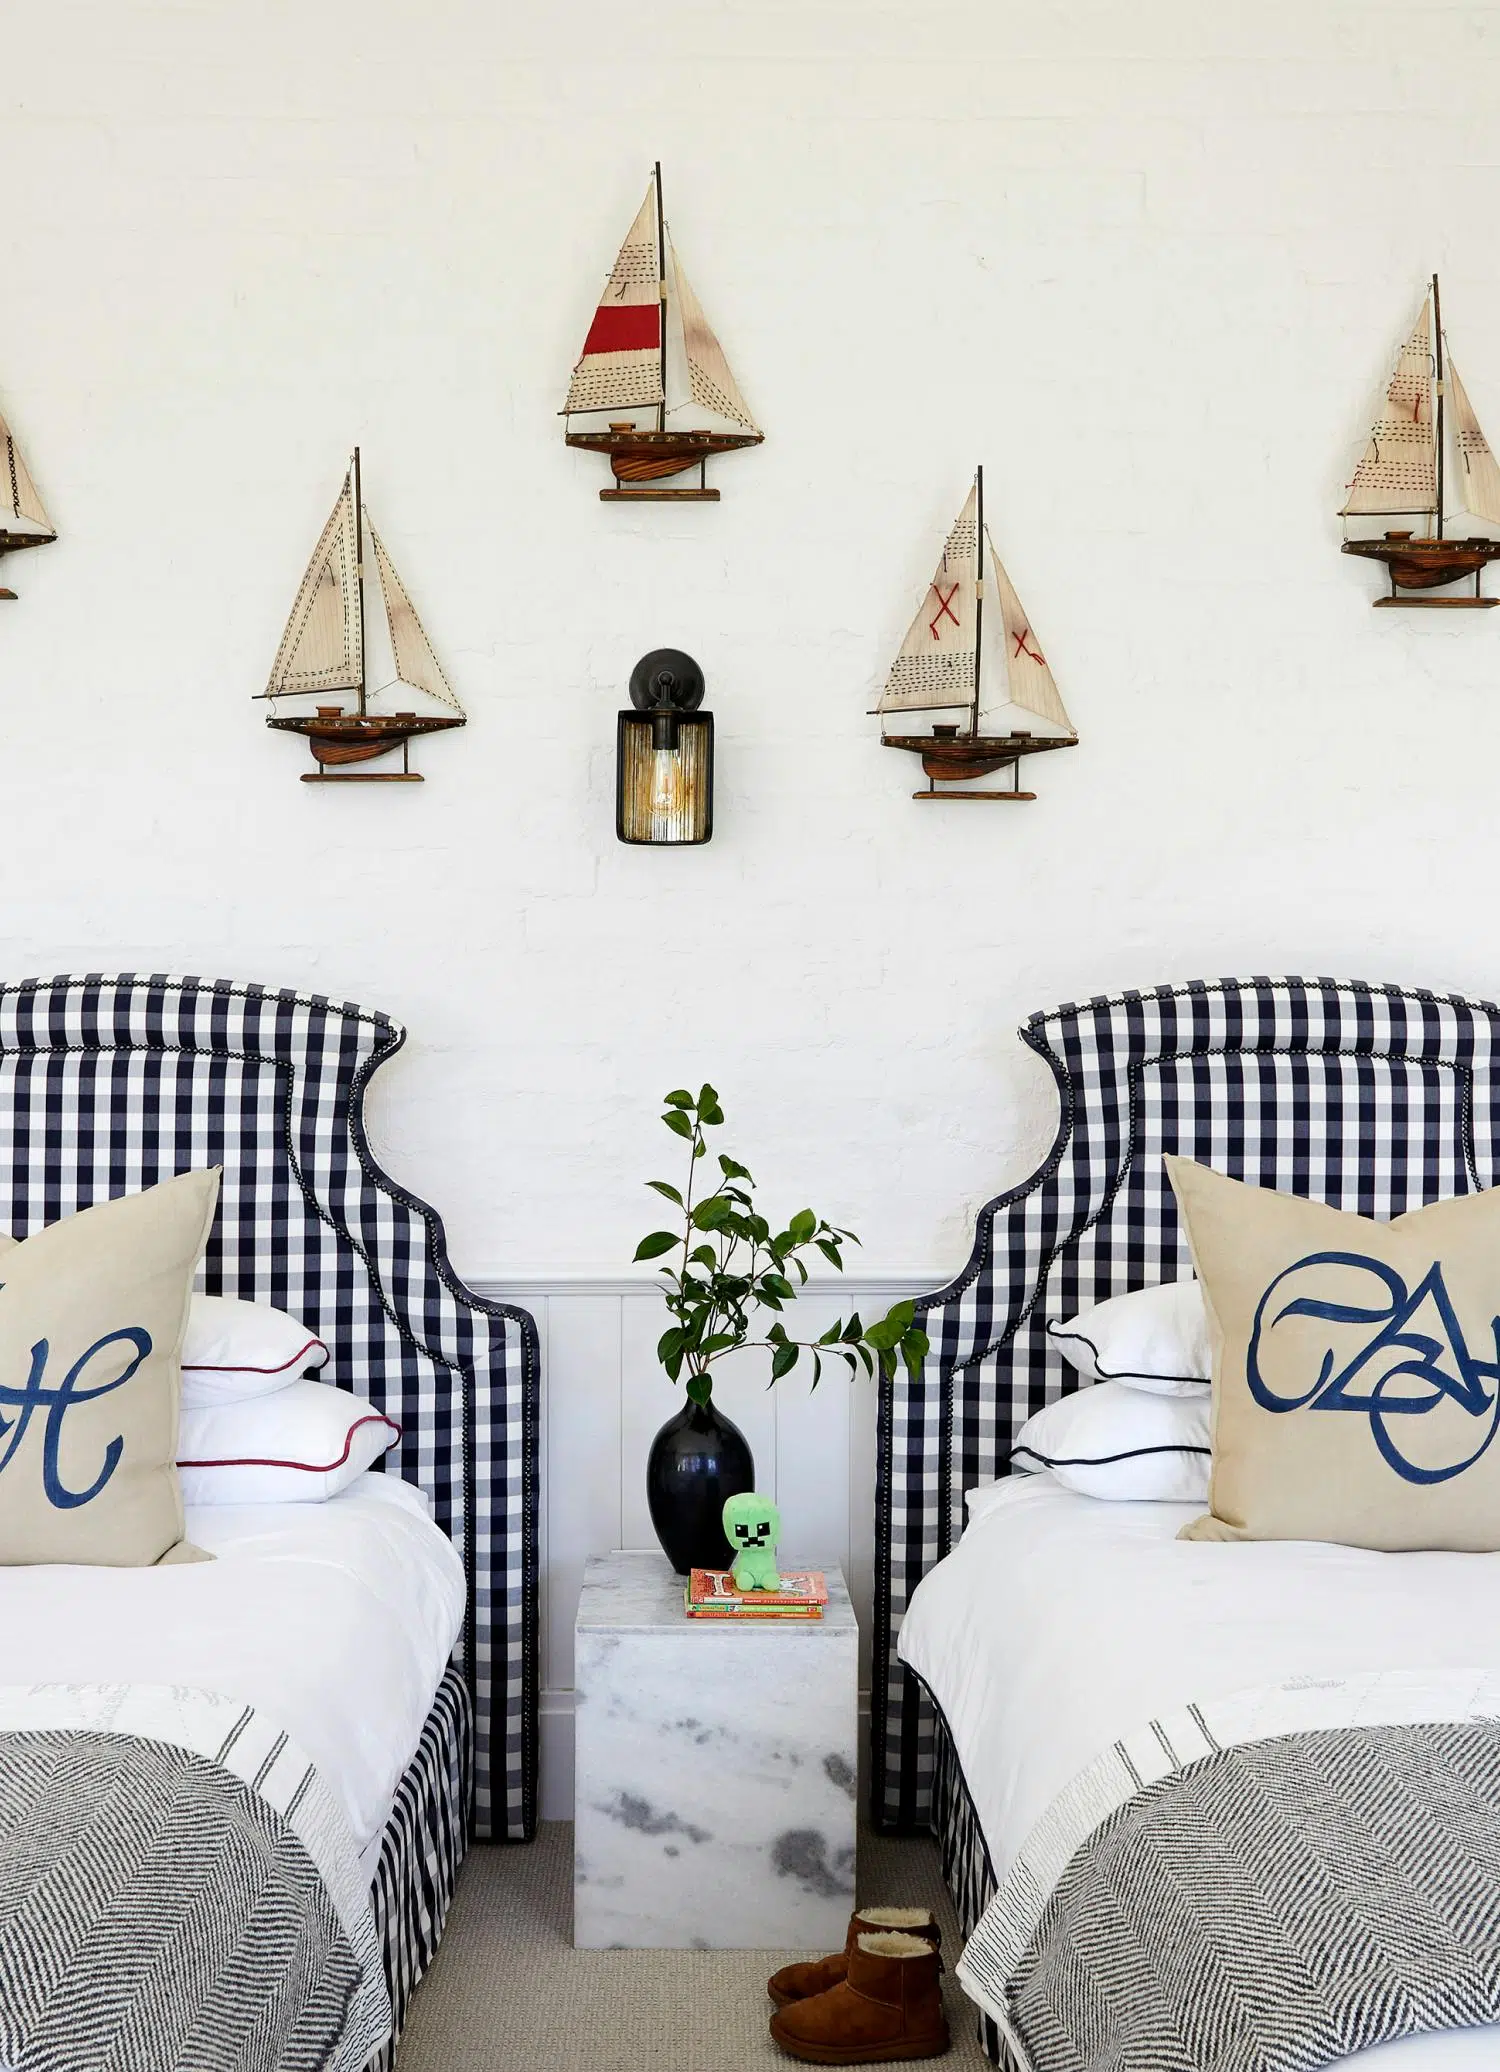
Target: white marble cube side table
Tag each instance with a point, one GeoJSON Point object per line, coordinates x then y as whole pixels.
{"type": "Point", "coordinates": [715, 1770]}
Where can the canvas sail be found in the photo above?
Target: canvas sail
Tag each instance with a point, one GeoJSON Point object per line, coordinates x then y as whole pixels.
{"type": "Point", "coordinates": [19, 501]}
{"type": "Point", "coordinates": [416, 665]}
{"type": "Point", "coordinates": [708, 389]}
{"type": "Point", "coordinates": [1397, 472]}
{"type": "Point", "coordinates": [321, 647]}
{"type": "Point", "coordinates": [1478, 474]}
{"type": "Point", "coordinates": [1025, 681]}
{"type": "Point", "coordinates": [620, 367]}
{"type": "Point", "coordinates": [936, 664]}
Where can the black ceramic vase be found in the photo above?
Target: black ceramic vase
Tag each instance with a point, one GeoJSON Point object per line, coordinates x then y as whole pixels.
{"type": "Point", "coordinates": [697, 1460]}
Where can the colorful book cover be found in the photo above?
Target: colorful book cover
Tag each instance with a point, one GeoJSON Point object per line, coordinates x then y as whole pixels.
{"type": "Point", "coordinates": [714, 1588]}
{"type": "Point", "coordinates": [747, 1613]}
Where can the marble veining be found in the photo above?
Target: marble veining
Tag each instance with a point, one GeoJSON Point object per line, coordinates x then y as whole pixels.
{"type": "Point", "coordinates": [716, 1767]}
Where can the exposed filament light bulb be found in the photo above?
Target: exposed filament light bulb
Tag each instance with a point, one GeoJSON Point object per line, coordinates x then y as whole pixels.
{"type": "Point", "coordinates": [667, 792]}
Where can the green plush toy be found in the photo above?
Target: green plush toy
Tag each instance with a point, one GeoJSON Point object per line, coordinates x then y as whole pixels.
{"type": "Point", "coordinates": [752, 1526]}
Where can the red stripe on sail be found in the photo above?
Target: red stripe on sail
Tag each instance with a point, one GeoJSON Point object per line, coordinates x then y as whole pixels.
{"type": "Point", "coordinates": [631, 327]}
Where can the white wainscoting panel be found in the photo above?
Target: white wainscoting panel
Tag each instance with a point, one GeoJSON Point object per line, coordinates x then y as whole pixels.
{"type": "Point", "coordinates": [603, 1399]}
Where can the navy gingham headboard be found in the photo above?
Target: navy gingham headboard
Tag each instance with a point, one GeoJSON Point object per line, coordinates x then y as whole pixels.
{"type": "Point", "coordinates": [1363, 1096]}
{"type": "Point", "coordinates": [108, 1085]}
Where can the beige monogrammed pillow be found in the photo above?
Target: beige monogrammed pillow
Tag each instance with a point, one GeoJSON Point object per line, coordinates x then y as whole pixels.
{"type": "Point", "coordinates": [1356, 1367]}
{"type": "Point", "coordinates": [92, 1312]}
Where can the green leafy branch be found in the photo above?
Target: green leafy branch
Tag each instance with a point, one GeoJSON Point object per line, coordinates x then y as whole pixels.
{"type": "Point", "coordinates": [731, 1265]}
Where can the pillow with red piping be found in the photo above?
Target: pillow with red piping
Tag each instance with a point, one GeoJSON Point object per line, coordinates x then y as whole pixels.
{"type": "Point", "coordinates": [300, 1445]}
{"type": "Point", "coordinates": [234, 1350]}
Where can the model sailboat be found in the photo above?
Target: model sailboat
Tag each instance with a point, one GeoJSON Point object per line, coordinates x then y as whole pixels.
{"type": "Point", "coordinates": [1404, 472]}
{"type": "Point", "coordinates": [653, 389]}
{"type": "Point", "coordinates": [324, 648]}
{"type": "Point", "coordinates": [958, 656]}
{"type": "Point", "coordinates": [23, 517]}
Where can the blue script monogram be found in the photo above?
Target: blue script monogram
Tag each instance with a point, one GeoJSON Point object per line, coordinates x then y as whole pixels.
{"type": "Point", "coordinates": [1398, 1372]}
{"type": "Point", "coordinates": [57, 1402]}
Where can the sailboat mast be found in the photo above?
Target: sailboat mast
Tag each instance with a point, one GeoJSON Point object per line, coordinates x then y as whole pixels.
{"type": "Point", "coordinates": [661, 297]}
{"type": "Point", "coordinates": [978, 595]}
{"type": "Point", "coordinates": [359, 575]}
{"type": "Point", "coordinates": [1437, 426]}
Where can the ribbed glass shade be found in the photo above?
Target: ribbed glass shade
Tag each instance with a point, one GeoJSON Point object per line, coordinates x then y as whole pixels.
{"type": "Point", "coordinates": [665, 794]}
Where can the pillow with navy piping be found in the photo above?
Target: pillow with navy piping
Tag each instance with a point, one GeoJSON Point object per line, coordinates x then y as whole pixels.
{"type": "Point", "coordinates": [92, 1314]}
{"type": "Point", "coordinates": [1122, 1444]}
{"type": "Point", "coordinates": [1154, 1339]}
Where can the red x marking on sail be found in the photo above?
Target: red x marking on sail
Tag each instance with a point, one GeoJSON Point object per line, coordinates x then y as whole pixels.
{"type": "Point", "coordinates": [945, 607]}
{"type": "Point", "coordinates": [1022, 649]}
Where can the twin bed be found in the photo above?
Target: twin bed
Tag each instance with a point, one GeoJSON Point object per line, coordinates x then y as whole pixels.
{"type": "Point", "coordinates": [391, 1631]}
{"type": "Point", "coordinates": [1059, 1635]}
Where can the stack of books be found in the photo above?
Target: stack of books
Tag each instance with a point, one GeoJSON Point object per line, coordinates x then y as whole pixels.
{"type": "Point", "coordinates": [711, 1594]}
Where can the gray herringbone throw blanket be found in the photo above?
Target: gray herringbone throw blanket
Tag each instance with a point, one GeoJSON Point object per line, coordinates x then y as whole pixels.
{"type": "Point", "coordinates": [1280, 1905]}
{"type": "Point", "coordinates": [1271, 1905]}
{"type": "Point", "coordinates": [159, 1913]}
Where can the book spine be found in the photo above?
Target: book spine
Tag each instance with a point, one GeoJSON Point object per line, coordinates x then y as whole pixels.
{"type": "Point", "coordinates": [800, 1615]}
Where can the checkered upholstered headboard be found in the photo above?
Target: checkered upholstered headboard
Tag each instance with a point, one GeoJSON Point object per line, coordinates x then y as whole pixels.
{"type": "Point", "coordinates": [1366, 1097]}
{"type": "Point", "coordinates": [110, 1084]}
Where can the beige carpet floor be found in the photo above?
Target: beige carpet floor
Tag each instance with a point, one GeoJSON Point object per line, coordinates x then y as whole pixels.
{"type": "Point", "coordinates": [509, 1993]}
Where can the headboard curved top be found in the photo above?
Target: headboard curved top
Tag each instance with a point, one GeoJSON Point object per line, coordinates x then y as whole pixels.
{"type": "Point", "coordinates": [1369, 1097]}
{"type": "Point", "coordinates": [111, 1083]}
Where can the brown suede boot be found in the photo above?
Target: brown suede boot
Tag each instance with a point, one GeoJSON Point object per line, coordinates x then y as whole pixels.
{"type": "Point", "coordinates": [889, 2005]}
{"type": "Point", "coordinates": [802, 1981]}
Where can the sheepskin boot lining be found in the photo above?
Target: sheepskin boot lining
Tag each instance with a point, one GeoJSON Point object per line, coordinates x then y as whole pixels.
{"type": "Point", "coordinates": [893, 1944]}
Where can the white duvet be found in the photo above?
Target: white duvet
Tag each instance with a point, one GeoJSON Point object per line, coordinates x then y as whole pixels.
{"type": "Point", "coordinates": [336, 1620]}
{"type": "Point", "coordinates": [1060, 1622]}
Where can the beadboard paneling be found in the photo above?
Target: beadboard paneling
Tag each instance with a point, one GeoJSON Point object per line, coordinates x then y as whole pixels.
{"type": "Point", "coordinates": [604, 1397]}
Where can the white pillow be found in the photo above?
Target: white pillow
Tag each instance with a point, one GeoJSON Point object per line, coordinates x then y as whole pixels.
{"type": "Point", "coordinates": [233, 1350]}
{"type": "Point", "coordinates": [1124, 1444]}
{"type": "Point", "coordinates": [301, 1445]}
{"type": "Point", "coordinates": [1155, 1339]}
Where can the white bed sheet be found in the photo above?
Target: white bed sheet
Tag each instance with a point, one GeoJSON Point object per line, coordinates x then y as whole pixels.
{"type": "Point", "coordinates": [1060, 1621]}
{"type": "Point", "coordinates": [336, 1619]}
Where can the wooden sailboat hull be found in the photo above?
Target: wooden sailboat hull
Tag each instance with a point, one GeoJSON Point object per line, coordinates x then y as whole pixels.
{"type": "Point", "coordinates": [337, 740]}
{"type": "Point", "coordinates": [335, 752]}
{"type": "Point", "coordinates": [12, 543]}
{"type": "Point", "coordinates": [649, 457]}
{"type": "Point", "coordinates": [952, 758]}
{"type": "Point", "coordinates": [1427, 564]}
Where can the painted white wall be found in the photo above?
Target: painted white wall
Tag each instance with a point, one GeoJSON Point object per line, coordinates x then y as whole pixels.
{"type": "Point", "coordinates": [1150, 263]}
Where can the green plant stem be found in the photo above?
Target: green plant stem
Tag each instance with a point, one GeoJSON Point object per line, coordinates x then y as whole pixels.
{"type": "Point", "coordinates": [711, 1302]}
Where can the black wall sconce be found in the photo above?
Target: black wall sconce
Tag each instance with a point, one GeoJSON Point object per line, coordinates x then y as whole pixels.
{"type": "Point", "coordinates": [664, 754]}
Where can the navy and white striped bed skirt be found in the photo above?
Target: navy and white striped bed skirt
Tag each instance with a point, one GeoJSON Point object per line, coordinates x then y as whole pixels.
{"type": "Point", "coordinates": [425, 1841]}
